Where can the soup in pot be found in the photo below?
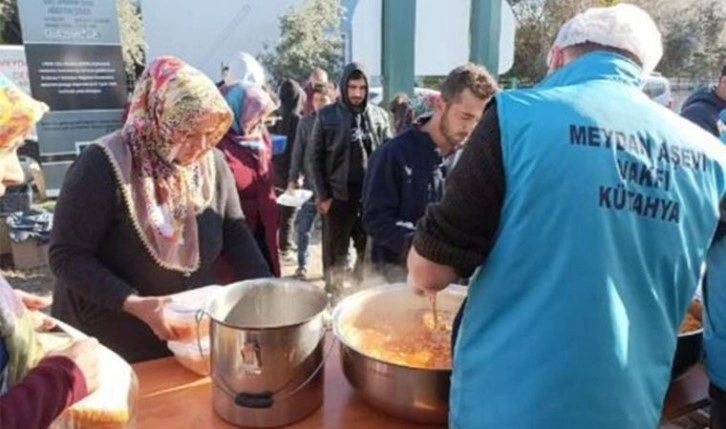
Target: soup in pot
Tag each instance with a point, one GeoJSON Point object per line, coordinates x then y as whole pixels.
{"type": "Point", "coordinates": [692, 321]}
{"type": "Point", "coordinates": [421, 342]}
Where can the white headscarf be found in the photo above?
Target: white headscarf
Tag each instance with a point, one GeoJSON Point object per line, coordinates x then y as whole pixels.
{"type": "Point", "coordinates": [245, 69]}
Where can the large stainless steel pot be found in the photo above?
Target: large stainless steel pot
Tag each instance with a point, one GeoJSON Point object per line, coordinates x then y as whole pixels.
{"type": "Point", "coordinates": [689, 350]}
{"type": "Point", "coordinates": [420, 395]}
{"type": "Point", "coordinates": [267, 340]}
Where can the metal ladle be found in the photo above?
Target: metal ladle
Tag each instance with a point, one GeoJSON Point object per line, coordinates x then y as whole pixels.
{"type": "Point", "coordinates": [434, 311]}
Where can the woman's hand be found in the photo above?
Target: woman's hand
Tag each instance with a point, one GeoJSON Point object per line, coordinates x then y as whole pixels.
{"type": "Point", "coordinates": [84, 354]}
{"type": "Point", "coordinates": [149, 310]}
{"type": "Point", "coordinates": [35, 303]}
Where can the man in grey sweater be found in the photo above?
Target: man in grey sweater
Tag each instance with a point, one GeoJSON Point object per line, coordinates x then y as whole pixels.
{"type": "Point", "coordinates": [305, 219]}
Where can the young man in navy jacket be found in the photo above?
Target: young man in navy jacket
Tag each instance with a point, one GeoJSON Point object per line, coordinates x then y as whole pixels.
{"type": "Point", "coordinates": [407, 173]}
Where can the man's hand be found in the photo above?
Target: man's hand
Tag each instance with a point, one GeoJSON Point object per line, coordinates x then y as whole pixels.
{"type": "Point", "coordinates": [427, 277]}
{"type": "Point", "coordinates": [84, 354]}
{"type": "Point", "coordinates": [291, 186]}
{"type": "Point", "coordinates": [324, 206]}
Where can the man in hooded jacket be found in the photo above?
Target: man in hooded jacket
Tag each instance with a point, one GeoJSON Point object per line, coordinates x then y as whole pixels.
{"type": "Point", "coordinates": [292, 100]}
{"type": "Point", "coordinates": [344, 136]}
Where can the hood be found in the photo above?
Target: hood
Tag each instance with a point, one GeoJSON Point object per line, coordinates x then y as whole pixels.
{"type": "Point", "coordinates": [291, 96]}
{"type": "Point", "coordinates": [707, 96]}
{"type": "Point", "coordinates": [347, 71]}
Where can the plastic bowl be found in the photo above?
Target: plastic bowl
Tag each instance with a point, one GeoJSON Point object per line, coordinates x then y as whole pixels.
{"type": "Point", "coordinates": [189, 355]}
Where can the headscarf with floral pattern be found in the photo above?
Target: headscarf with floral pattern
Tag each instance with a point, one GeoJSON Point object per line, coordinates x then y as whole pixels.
{"type": "Point", "coordinates": [18, 112]}
{"type": "Point", "coordinates": [164, 197]}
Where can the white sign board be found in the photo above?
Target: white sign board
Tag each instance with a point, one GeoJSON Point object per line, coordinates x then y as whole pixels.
{"type": "Point", "coordinates": [506, 39]}
{"type": "Point", "coordinates": [14, 66]}
{"type": "Point", "coordinates": [207, 33]}
{"type": "Point", "coordinates": [365, 42]}
{"type": "Point", "coordinates": [442, 36]}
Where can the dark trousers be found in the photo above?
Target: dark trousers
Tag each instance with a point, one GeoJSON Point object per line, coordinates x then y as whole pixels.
{"type": "Point", "coordinates": [718, 407]}
{"type": "Point", "coordinates": [342, 224]}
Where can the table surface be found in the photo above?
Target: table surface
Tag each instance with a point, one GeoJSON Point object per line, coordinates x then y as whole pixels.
{"type": "Point", "coordinates": [686, 394]}
{"type": "Point", "coordinates": [173, 397]}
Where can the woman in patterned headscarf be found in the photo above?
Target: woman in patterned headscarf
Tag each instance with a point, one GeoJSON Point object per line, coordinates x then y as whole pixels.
{"type": "Point", "coordinates": [146, 211]}
{"type": "Point", "coordinates": [248, 151]}
{"type": "Point", "coordinates": [34, 389]}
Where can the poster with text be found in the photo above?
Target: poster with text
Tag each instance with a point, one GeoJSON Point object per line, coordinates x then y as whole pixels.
{"type": "Point", "coordinates": [75, 65]}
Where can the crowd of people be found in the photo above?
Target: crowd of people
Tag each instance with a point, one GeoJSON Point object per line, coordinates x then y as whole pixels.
{"type": "Point", "coordinates": [579, 272]}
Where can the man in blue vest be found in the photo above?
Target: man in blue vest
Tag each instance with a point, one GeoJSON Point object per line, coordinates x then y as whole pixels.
{"type": "Point", "coordinates": [715, 321]}
{"type": "Point", "coordinates": [586, 210]}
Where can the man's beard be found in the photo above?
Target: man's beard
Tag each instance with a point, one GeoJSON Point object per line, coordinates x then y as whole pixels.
{"type": "Point", "coordinates": [356, 104]}
{"type": "Point", "coordinates": [452, 140]}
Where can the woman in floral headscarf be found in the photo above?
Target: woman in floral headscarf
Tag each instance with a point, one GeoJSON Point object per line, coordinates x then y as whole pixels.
{"type": "Point", "coordinates": [248, 151]}
{"type": "Point", "coordinates": [145, 213]}
{"type": "Point", "coordinates": [34, 389]}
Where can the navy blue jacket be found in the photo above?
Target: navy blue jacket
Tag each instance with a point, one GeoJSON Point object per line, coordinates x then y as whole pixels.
{"type": "Point", "coordinates": [703, 108]}
{"type": "Point", "coordinates": [404, 175]}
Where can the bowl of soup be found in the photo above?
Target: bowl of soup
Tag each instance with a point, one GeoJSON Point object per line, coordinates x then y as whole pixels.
{"type": "Point", "coordinates": [690, 341]}
{"type": "Point", "coordinates": [395, 349]}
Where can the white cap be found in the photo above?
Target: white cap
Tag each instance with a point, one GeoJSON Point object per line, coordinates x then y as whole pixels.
{"type": "Point", "coordinates": [623, 26]}
{"type": "Point", "coordinates": [244, 68]}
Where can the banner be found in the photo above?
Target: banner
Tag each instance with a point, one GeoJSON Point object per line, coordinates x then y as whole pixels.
{"type": "Point", "coordinates": [13, 65]}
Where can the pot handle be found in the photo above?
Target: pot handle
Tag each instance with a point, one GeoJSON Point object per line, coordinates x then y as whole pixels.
{"type": "Point", "coordinates": [198, 319]}
{"type": "Point", "coordinates": [314, 373]}
{"type": "Point", "coordinates": [260, 400]}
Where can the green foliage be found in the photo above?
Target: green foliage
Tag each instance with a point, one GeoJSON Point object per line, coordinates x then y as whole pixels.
{"type": "Point", "coordinates": [694, 33]}
{"type": "Point", "coordinates": [309, 39]}
{"type": "Point", "coordinates": [131, 29]}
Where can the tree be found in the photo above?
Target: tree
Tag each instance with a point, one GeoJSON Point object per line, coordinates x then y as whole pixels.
{"type": "Point", "coordinates": [10, 32]}
{"type": "Point", "coordinates": [131, 29]}
{"type": "Point", "coordinates": [309, 39]}
{"type": "Point", "coordinates": [537, 25]}
{"type": "Point", "coordinates": [694, 33]}
{"type": "Point", "coordinates": [694, 36]}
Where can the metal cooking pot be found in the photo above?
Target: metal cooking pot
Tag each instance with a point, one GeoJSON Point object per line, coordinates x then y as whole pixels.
{"type": "Point", "coordinates": [267, 338]}
{"type": "Point", "coordinates": [415, 394]}
{"type": "Point", "coordinates": [689, 350]}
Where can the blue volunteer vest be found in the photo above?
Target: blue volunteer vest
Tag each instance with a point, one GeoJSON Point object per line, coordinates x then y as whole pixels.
{"type": "Point", "coordinates": [611, 203]}
{"type": "Point", "coordinates": [714, 334]}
